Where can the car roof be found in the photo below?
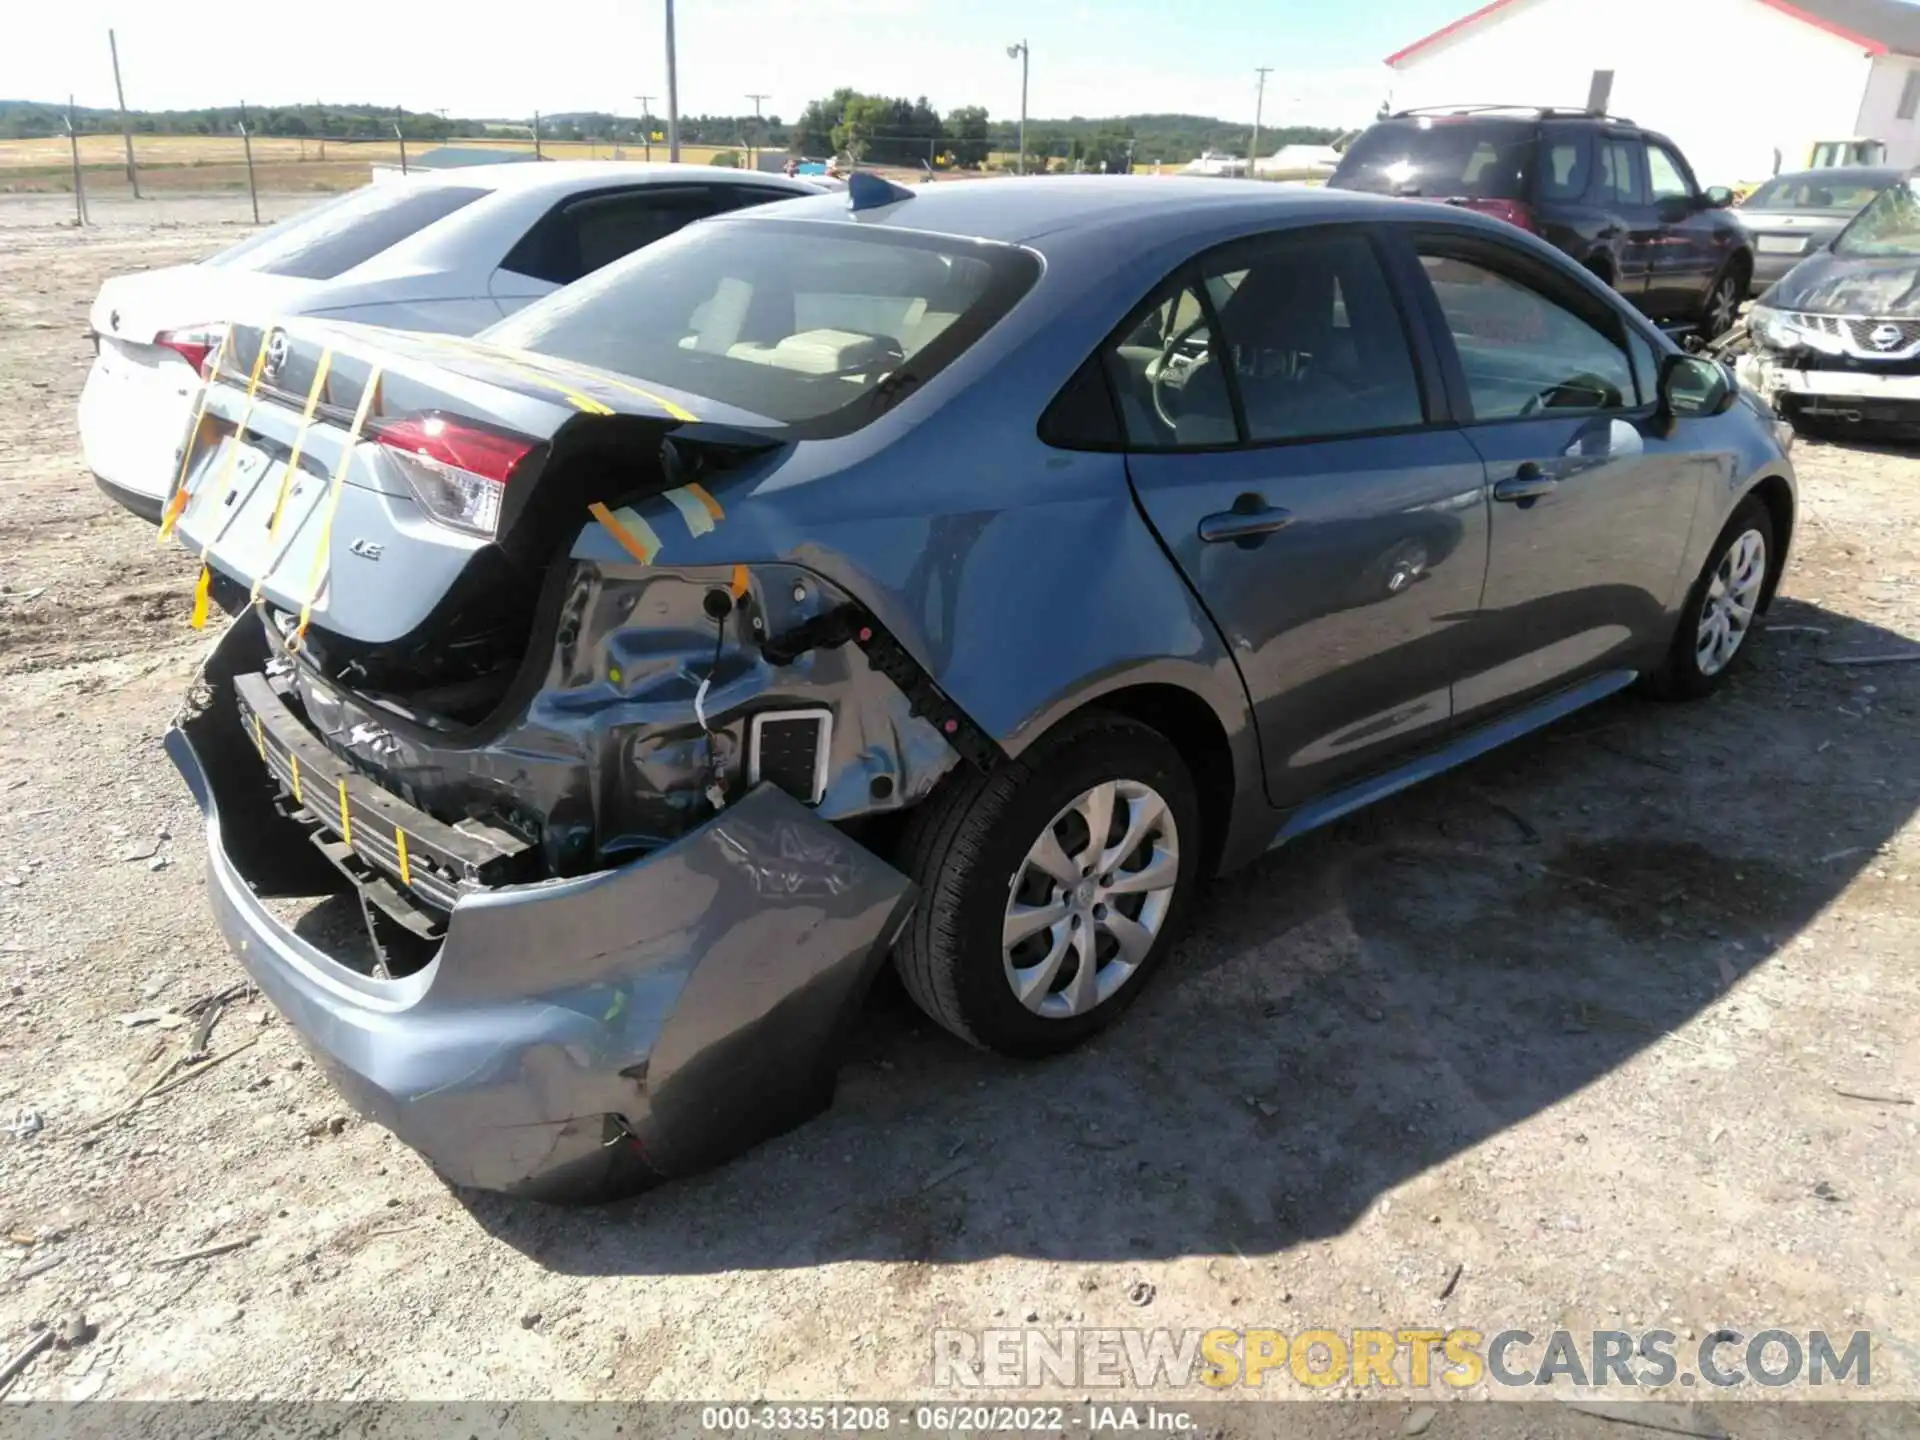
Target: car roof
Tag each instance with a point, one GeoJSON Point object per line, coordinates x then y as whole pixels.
{"type": "Point", "coordinates": [1016, 210]}
{"type": "Point", "coordinates": [562, 176]}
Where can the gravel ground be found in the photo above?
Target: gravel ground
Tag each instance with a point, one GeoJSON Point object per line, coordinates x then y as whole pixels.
{"type": "Point", "coordinates": [1589, 1034]}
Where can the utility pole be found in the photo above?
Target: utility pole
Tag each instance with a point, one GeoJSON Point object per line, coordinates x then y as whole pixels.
{"type": "Point", "coordinates": [79, 185]}
{"type": "Point", "coordinates": [758, 129]}
{"type": "Point", "coordinates": [1259, 102]}
{"type": "Point", "coordinates": [246, 142]}
{"type": "Point", "coordinates": [126, 125]}
{"type": "Point", "coordinates": [646, 123]}
{"type": "Point", "coordinates": [1017, 52]}
{"type": "Point", "coordinates": [673, 95]}
{"type": "Point", "coordinates": [537, 154]}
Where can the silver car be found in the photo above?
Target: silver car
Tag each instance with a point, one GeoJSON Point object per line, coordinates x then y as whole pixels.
{"type": "Point", "coordinates": [450, 252]}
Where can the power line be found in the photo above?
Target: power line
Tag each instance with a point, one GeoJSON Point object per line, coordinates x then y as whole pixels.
{"type": "Point", "coordinates": [1259, 101]}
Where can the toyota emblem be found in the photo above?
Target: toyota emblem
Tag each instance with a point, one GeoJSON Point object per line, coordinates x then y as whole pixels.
{"type": "Point", "coordinates": [1884, 337]}
{"type": "Point", "coordinates": [279, 351]}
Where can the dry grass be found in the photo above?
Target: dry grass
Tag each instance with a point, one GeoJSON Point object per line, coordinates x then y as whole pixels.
{"type": "Point", "coordinates": [218, 162]}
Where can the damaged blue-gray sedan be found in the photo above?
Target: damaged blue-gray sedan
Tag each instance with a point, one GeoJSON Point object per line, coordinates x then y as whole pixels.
{"type": "Point", "coordinates": [956, 575]}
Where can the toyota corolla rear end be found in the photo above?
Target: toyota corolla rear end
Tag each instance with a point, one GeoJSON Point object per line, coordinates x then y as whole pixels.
{"type": "Point", "coordinates": [531, 681]}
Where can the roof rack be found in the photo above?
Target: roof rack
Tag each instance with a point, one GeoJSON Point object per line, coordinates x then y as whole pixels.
{"type": "Point", "coordinates": [1537, 112]}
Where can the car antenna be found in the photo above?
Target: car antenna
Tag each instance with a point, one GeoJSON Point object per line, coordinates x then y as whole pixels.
{"type": "Point", "coordinates": [867, 191]}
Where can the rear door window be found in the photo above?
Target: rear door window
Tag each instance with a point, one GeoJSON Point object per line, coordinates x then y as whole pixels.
{"type": "Point", "coordinates": [1617, 177]}
{"type": "Point", "coordinates": [1566, 164]}
{"type": "Point", "coordinates": [331, 239]}
{"type": "Point", "coordinates": [586, 232]}
{"type": "Point", "coordinates": [1294, 338]}
{"type": "Point", "coordinates": [1442, 157]}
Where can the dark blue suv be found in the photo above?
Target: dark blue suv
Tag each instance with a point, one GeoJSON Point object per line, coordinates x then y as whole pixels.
{"type": "Point", "coordinates": [1618, 198]}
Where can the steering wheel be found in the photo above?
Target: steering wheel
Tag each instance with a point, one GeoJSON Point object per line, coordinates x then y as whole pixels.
{"type": "Point", "coordinates": [1171, 369]}
{"type": "Point", "coordinates": [1585, 380]}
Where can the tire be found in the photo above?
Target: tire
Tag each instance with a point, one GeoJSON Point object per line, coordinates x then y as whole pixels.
{"type": "Point", "coordinates": [1722, 305]}
{"type": "Point", "coordinates": [971, 850]}
{"type": "Point", "coordinates": [1685, 675]}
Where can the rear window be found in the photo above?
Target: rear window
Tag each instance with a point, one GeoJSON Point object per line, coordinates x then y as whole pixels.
{"type": "Point", "coordinates": [333, 238]}
{"type": "Point", "coordinates": [815, 327]}
{"type": "Point", "coordinates": [1442, 158]}
{"type": "Point", "coordinates": [1814, 192]}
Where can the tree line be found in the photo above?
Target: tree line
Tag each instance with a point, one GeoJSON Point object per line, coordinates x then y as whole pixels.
{"type": "Point", "coordinates": [878, 129]}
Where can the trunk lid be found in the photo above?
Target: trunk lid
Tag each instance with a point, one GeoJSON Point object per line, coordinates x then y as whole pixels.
{"type": "Point", "coordinates": [325, 520]}
{"type": "Point", "coordinates": [136, 308]}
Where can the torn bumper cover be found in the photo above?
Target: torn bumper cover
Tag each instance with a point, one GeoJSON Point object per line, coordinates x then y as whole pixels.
{"type": "Point", "coordinates": [571, 1039]}
{"type": "Point", "coordinates": [1800, 387]}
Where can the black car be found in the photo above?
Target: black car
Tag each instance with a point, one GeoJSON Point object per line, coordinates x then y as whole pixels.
{"type": "Point", "coordinates": [1620, 199]}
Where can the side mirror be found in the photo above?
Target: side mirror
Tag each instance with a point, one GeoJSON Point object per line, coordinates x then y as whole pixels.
{"type": "Point", "coordinates": [1692, 386]}
{"type": "Point", "coordinates": [1717, 197]}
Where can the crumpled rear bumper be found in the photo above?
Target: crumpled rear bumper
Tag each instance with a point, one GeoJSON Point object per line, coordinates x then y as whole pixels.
{"type": "Point", "coordinates": [573, 1039]}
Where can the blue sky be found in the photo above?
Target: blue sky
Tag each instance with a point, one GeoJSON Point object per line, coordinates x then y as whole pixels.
{"type": "Point", "coordinates": [482, 57]}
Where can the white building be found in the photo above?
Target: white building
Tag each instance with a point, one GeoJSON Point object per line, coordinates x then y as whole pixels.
{"type": "Point", "coordinates": [1729, 81]}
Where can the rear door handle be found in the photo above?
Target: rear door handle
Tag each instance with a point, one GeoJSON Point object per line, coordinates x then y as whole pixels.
{"type": "Point", "coordinates": [1249, 521]}
{"type": "Point", "coordinates": [1525, 485]}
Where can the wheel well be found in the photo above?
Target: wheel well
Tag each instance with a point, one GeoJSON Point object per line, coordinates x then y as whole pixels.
{"type": "Point", "coordinates": [1777, 496]}
{"type": "Point", "coordinates": [1189, 722]}
{"type": "Point", "coordinates": [1602, 267]}
{"type": "Point", "coordinates": [1740, 263]}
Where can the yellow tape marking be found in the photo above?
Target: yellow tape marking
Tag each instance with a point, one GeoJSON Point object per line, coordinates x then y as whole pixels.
{"type": "Point", "coordinates": [299, 443]}
{"type": "Point", "coordinates": [400, 850]}
{"type": "Point", "coordinates": [738, 589]}
{"type": "Point", "coordinates": [294, 761]}
{"type": "Point", "coordinates": [705, 497]}
{"type": "Point", "coordinates": [260, 737]}
{"type": "Point", "coordinates": [636, 537]}
{"type": "Point", "coordinates": [199, 618]}
{"type": "Point", "coordinates": [613, 382]}
{"type": "Point", "coordinates": [503, 358]}
{"type": "Point", "coordinates": [346, 819]}
{"type": "Point", "coordinates": [698, 517]}
{"type": "Point", "coordinates": [368, 394]}
{"type": "Point", "coordinates": [174, 503]}
{"type": "Point", "coordinates": [201, 587]}
{"type": "Point", "coordinates": [524, 361]}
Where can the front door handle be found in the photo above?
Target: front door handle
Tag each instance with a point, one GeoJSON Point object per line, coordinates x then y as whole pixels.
{"type": "Point", "coordinates": [1249, 522]}
{"type": "Point", "coordinates": [1525, 485]}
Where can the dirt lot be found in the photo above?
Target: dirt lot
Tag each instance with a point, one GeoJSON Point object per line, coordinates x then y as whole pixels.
{"type": "Point", "coordinates": [1586, 1035]}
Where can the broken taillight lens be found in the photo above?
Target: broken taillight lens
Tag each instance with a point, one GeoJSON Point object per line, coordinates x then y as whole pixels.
{"type": "Point", "coordinates": [457, 470]}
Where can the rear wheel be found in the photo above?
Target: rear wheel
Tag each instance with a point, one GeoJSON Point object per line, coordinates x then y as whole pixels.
{"type": "Point", "coordinates": [1052, 889]}
{"type": "Point", "coordinates": [1718, 619]}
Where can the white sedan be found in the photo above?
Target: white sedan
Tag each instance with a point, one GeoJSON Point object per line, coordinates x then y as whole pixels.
{"type": "Point", "coordinates": [453, 252]}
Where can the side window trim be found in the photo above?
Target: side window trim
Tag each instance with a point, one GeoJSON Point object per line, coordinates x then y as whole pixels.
{"type": "Point", "coordinates": [1392, 253]}
{"type": "Point", "coordinates": [1523, 269]}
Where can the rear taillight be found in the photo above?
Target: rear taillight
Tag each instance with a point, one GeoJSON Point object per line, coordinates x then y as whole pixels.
{"type": "Point", "coordinates": [194, 345]}
{"type": "Point", "coordinates": [1514, 212]}
{"type": "Point", "coordinates": [457, 470]}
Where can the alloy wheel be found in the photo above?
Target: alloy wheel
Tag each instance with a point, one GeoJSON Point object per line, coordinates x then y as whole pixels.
{"type": "Point", "coordinates": [1733, 595]}
{"type": "Point", "coordinates": [1723, 307]}
{"type": "Point", "coordinates": [1090, 898]}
